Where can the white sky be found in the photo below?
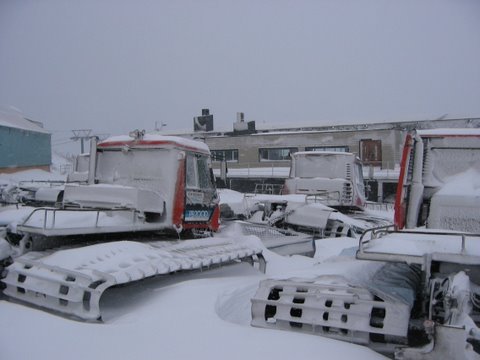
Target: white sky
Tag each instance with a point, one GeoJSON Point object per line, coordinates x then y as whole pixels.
{"type": "Point", "coordinates": [117, 65]}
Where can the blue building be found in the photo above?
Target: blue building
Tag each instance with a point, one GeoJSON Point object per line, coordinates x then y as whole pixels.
{"type": "Point", "coordinates": [24, 144]}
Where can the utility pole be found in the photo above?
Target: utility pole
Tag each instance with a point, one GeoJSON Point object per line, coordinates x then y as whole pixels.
{"type": "Point", "coordinates": [82, 135]}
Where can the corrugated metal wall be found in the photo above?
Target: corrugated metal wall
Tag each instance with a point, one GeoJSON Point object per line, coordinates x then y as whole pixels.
{"type": "Point", "coordinates": [23, 148]}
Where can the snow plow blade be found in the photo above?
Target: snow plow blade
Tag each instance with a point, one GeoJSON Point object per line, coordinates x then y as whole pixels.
{"type": "Point", "coordinates": [329, 306]}
{"type": "Point", "coordinates": [72, 281]}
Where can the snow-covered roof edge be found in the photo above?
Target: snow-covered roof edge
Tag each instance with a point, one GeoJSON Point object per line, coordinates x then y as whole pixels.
{"type": "Point", "coordinates": [153, 139]}
{"type": "Point", "coordinates": [320, 152]}
{"type": "Point", "coordinates": [14, 119]}
{"type": "Point", "coordinates": [315, 126]}
{"type": "Point", "coordinates": [450, 131]}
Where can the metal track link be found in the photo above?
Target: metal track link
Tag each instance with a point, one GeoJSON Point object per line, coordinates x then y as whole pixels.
{"type": "Point", "coordinates": [329, 306]}
{"type": "Point", "coordinates": [72, 281]}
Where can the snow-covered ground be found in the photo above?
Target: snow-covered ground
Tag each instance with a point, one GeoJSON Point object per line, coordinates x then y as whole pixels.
{"type": "Point", "coordinates": [197, 316]}
{"type": "Point", "coordinates": [200, 315]}
{"type": "Point", "coordinates": [203, 315]}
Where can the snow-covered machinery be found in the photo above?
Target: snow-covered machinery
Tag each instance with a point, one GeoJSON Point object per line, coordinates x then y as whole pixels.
{"type": "Point", "coordinates": [308, 214]}
{"type": "Point", "coordinates": [439, 184]}
{"type": "Point", "coordinates": [136, 190]}
{"type": "Point", "coordinates": [324, 195]}
{"type": "Point", "coordinates": [333, 178]}
{"type": "Point", "coordinates": [34, 193]}
{"type": "Point", "coordinates": [303, 214]}
{"type": "Point", "coordinates": [138, 183]}
{"type": "Point", "coordinates": [423, 299]}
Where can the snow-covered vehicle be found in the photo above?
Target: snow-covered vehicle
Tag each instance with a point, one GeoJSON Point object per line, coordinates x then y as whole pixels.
{"type": "Point", "coordinates": [139, 189]}
{"type": "Point", "coordinates": [423, 299]}
{"type": "Point", "coordinates": [324, 196]}
{"type": "Point", "coordinates": [333, 178]}
{"type": "Point", "coordinates": [35, 193]}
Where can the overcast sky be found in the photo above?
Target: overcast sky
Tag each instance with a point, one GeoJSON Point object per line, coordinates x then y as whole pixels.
{"type": "Point", "coordinates": [117, 65]}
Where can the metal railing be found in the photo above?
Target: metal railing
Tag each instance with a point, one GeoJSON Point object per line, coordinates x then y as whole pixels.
{"type": "Point", "coordinates": [324, 197]}
{"type": "Point", "coordinates": [272, 189]}
{"type": "Point", "coordinates": [380, 206]}
{"type": "Point", "coordinates": [379, 232]}
{"type": "Point", "coordinates": [49, 219]}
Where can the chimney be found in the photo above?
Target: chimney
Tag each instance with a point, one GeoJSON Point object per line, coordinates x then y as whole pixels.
{"type": "Point", "coordinates": [204, 122]}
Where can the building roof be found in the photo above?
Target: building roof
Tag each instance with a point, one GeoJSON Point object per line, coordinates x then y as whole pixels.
{"type": "Point", "coordinates": [14, 119]}
{"type": "Point", "coordinates": [310, 127]}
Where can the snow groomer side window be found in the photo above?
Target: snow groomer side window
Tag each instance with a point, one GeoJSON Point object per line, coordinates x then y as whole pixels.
{"type": "Point", "coordinates": [204, 174]}
{"type": "Point", "coordinates": [359, 177]}
{"type": "Point", "coordinates": [198, 172]}
{"type": "Point", "coordinates": [191, 172]}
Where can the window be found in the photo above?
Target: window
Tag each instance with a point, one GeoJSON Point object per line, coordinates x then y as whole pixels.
{"type": "Point", "coordinates": [327, 148]}
{"type": "Point", "coordinates": [276, 154]}
{"type": "Point", "coordinates": [227, 155]}
{"type": "Point", "coordinates": [359, 177]}
{"type": "Point", "coordinates": [371, 152]}
{"type": "Point", "coordinates": [198, 172]}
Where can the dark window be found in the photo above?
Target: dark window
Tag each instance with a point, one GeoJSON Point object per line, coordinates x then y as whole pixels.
{"type": "Point", "coordinates": [227, 155]}
{"type": "Point", "coordinates": [371, 152]}
{"type": "Point", "coordinates": [327, 148]}
{"type": "Point", "coordinates": [275, 154]}
{"type": "Point", "coordinates": [198, 172]}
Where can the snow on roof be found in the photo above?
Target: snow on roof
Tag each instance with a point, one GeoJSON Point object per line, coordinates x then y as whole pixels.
{"type": "Point", "coordinates": [14, 119]}
{"type": "Point", "coordinates": [319, 152]}
{"type": "Point", "coordinates": [450, 132]}
{"type": "Point", "coordinates": [155, 140]}
{"type": "Point", "coordinates": [301, 127]}
{"type": "Point", "coordinates": [359, 121]}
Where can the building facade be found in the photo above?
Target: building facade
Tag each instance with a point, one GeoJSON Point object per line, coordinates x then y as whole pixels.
{"type": "Point", "coordinates": [24, 144]}
{"type": "Point", "coordinates": [263, 154]}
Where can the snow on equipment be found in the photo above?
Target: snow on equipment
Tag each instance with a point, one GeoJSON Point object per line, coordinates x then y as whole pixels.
{"type": "Point", "coordinates": [324, 196]}
{"type": "Point", "coordinates": [424, 302]}
{"type": "Point", "coordinates": [333, 178]}
{"type": "Point", "coordinates": [281, 241]}
{"type": "Point", "coordinates": [439, 182]}
{"type": "Point", "coordinates": [139, 188]}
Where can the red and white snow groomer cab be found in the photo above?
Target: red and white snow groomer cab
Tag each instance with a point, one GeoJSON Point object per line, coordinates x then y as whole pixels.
{"type": "Point", "coordinates": [135, 183]}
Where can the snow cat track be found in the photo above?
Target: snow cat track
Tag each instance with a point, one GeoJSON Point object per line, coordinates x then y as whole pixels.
{"type": "Point", "coordinates": [72, 281]}
{"type": "Point", "coordinates": [329, 306]}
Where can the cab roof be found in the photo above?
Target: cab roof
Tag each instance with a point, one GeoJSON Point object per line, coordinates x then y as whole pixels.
{"type": "Point", "coordinates": [154, 141]}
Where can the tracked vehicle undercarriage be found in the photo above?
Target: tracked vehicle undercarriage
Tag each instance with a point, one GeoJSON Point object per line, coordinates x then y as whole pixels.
{"type": "Point", "coordinates": [120, 220]}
